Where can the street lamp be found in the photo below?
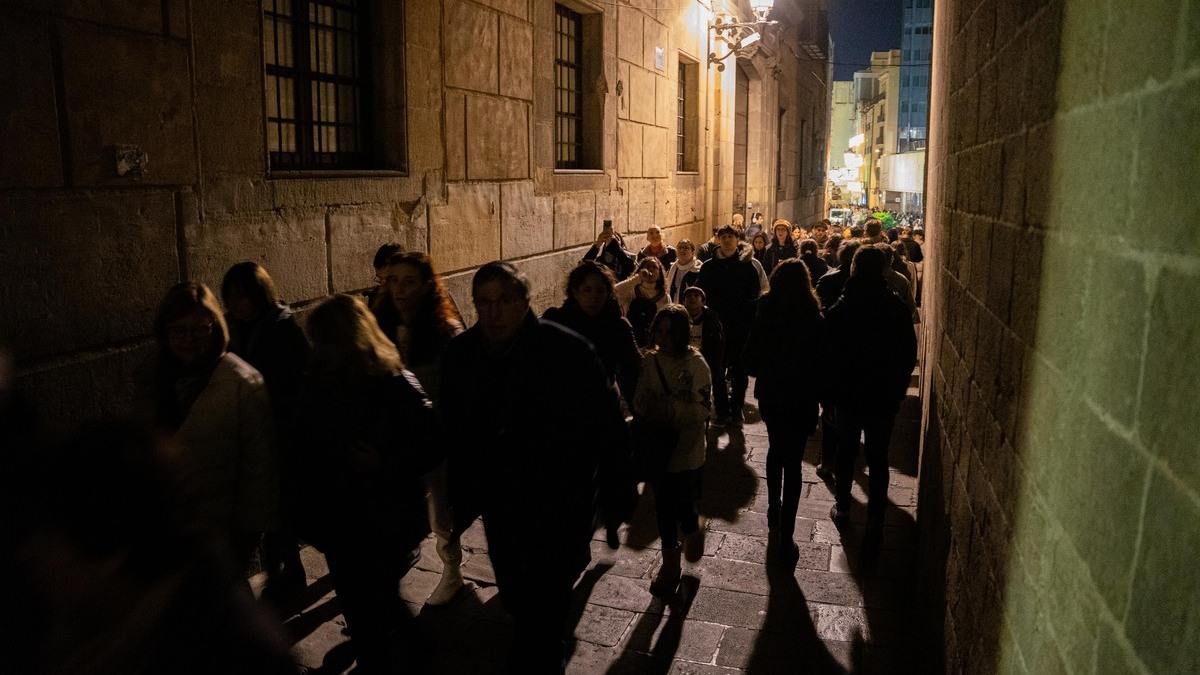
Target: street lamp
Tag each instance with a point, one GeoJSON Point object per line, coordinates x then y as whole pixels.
{"type": "Point", "coordinates": [731, 32]}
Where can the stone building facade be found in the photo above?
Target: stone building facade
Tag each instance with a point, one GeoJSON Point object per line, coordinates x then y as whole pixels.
{"type": "Point", "coordinates": [144, 142]}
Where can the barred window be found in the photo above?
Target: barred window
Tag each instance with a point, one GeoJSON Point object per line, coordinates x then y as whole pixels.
{"type": "Point", "coordinates": [317, 84]}
{"type": "Point", "coordinates": [568, 88]}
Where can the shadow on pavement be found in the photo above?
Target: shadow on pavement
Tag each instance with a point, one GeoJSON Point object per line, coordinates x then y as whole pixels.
{"type": "Point", "coordinates": [640, 655]}
{"type": "Point", "coordinates": [885, 575]}
{"type": "Point", "coordinates": [788, 641]}
{"type": "Point", "coordinates": [579, 600]}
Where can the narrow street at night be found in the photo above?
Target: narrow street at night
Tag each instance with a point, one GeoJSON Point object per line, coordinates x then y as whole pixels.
{"type": "Point", "coordinates": [837, 611]}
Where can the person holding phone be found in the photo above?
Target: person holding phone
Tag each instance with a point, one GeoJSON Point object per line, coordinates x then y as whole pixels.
{"type": "Point", "coordinates": [609, 250]}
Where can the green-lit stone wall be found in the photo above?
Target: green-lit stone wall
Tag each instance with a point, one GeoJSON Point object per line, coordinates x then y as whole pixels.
{"type": "Point", "coordinates": [1060, 480]}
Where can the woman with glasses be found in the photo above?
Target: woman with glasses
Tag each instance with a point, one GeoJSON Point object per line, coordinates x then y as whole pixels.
{"type": "Point", "coordinates": [217, 406]}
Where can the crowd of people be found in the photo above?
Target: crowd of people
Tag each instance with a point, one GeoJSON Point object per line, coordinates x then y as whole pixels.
{"type": "Point", "coordinates": [384, 418]}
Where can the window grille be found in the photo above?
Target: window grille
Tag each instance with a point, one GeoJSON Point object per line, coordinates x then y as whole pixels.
{"type": "Point", "coordinates": [317, 83]}
{"type": "Point", "coordinates": [568, 89]}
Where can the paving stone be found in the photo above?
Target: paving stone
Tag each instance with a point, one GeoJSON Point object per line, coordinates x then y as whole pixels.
{"type": "Point", "coordinates": [689, 668]}
{"type": "Point", "coordinates": [478, 568]}
{"type": "Point", "coordinates": [770, 652]}
{"type": "Point", "coordinates": [624, 593]}
{"type": "Point", "coordinates": [744, 548]}
{"type": "Point", "coordinates": [729, 608]}
{"type": "Point", "coordinates": [625, 562]}
{"type": "Point", "coordinates": [830, 587]}
{"type": "Point", "coordinates": [699, 640]}
{"type": "Point", "coordinates": [604, 625]}
{"type": "Point", "coordinates": [734, 576]}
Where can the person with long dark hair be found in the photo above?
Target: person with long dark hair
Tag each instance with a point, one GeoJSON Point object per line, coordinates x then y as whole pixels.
{"type": "Point", "coordinates": [417, 313]}
{"type": "Point", "coordinates": [264, 331]}
{"type": "Point", "coordinates": [367, 437]}
{"type": "Point", "coordinates": [788, 389]}
{"type": "Point", "coordinates": [590, 308]}
{"type": "Point", "coordinates": [642, 295]}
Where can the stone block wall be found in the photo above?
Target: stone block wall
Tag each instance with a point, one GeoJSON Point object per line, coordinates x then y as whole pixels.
{"type": "Point", "coordinates": [1060, 484]}
{"type": "Point", "coordinates": [464, 110]}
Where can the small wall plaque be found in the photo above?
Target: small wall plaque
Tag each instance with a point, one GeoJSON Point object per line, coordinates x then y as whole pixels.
{"type": "Point", "coordinates": [660, 58]}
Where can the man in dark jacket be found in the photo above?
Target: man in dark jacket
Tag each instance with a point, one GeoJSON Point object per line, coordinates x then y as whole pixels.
{"type": "Point", "coordinates": [874, 328]}
{"type": "Point", "coordinates": [536, 433]}
{"type": "Point", "coordinates": [731, 287]}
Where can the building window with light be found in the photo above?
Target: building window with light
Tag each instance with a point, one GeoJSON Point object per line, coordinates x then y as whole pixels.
{"type": "Point", "coordinates": [321, 98]}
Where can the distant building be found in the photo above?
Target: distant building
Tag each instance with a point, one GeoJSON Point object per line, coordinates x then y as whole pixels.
{"type": "Point", "coordinates": [916, 45]}
{"type": "Point", "coordinates": [876, 103]}
{"type": "Point", "coordinates": [841, 130]}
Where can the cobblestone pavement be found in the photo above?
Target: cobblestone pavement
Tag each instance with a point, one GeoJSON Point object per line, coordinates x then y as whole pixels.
{"type": "Point", "coordinates": [837, 612]}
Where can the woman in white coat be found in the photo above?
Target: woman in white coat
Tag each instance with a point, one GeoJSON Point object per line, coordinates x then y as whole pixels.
{"type": "Point", "coordinates": [217, 406]}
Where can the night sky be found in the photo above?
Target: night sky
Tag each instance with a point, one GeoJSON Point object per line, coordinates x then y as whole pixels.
{"type": "Point", "coordinates": [859, 27]}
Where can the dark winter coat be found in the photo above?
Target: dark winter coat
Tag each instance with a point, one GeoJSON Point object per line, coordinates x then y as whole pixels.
{"type": "Point", "coordinates": [731, 289]}
{"type": "Point", "coordinates": [874, 326]}
{"type": "Point", "coordinates": [816, 267]}
{"type": "Point", "coordinates": [610, 334]}
{"type": "Point", "coordinates": [275, 345]}
{"type": "Point", "coordinates": [777, 253]}
{"type": "Point", "coordinates": [829, 287]}
{"type": "Point", "coordinates": [364, 444]}
{"type": "Point", "coordinates": [784, 354]}
{"type": "Point", "coordinates": [535, 434]}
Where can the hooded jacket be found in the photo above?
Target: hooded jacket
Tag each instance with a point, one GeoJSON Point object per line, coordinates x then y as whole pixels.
{"type": "Point", "coordinates": [731, 287]}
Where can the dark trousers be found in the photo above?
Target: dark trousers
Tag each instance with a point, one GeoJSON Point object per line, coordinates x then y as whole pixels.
{"type": "Point", "coordinates": [876, 429]}
{"type": "Point", "coordinates": [536, 568]}
{"type": "Point", "coordinates": [788, 427]}
{"type": "Point", "coordinates": [720, 389]}
{"type": "Point", "coordinates": [829, 441]}
{"type": "Point", "coordinates": [675, 495]}
{"type": "Point", "coordinates": [366, 577]}
{"type": "Point", "coordinates": [735, 367]}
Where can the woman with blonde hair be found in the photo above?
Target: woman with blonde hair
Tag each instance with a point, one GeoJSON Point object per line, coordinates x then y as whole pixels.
{"type": "Point", "coordinates": [217, 406]}
{"type": "Point", "coordinates": [367, 437]}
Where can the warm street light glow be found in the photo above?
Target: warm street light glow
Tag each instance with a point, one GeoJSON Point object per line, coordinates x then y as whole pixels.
{"type": "Point", "coordinates": [762, 8]}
